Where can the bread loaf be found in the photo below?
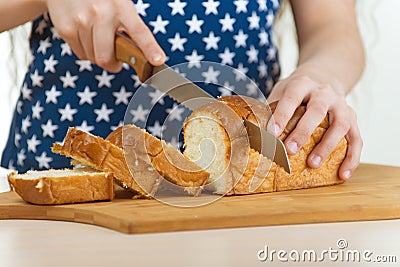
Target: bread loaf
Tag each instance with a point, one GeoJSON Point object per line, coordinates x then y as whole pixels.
{"type": "Point", "coordinates": [140, 166]}
{"type": "Point", "coordinates": [51, 187]}
{"type": "Point", "coordinates": [216, 130]}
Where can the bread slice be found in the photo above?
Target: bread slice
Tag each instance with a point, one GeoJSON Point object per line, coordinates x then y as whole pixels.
{"type": "Point", "coordinates": [216, 131]}
{"type": "Point", "coordinates": [138, 166]}
{"type": "Point", "coordinates": [144, 151]}
{"type": "Point", "coordinates": [51, 187]}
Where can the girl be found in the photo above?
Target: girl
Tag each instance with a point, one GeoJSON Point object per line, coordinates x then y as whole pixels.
{"type": "Point", "coordinates": [75, 80]}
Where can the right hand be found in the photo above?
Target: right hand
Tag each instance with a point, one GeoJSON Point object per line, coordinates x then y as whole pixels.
{"type": "Point", "coordinates": [89, 27]}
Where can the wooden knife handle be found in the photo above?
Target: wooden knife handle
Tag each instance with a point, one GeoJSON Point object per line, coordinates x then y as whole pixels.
{"type": "Point", "coordinates": [127, 51]}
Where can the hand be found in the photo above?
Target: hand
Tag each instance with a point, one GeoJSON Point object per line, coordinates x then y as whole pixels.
{"type": "Point", "coordinates": [89, 27]}
{"type": "Point", "coordinates": [321, 99]}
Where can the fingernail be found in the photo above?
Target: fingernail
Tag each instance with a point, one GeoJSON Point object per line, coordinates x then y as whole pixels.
{"type": "Point", "coordinates": [157, 57]}
{"type": "Point", "coordinates": [275, 129]}
{"type": "Point", "coordinates": [346, 175]}
{"type": "Point", "coordinates": [292, 147]}
{"type": "Point", "coordinates": [316, 160]}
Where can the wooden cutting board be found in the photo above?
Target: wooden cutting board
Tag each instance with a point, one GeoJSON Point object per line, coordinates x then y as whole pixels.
{"type": "Point", "coordinates": [373, 193]}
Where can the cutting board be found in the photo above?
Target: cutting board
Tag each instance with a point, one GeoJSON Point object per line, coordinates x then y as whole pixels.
{"type": "Point", "coordinates": [373, 193]}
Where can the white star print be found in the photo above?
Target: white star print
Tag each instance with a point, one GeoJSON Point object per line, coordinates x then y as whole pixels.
{"type": "Point", "coordinates": [103, 113]}
{"type": "Point", "coordinates": [33, 143]}
{"type": "Point", "coordinates": [84, 65]}
{"type": "Point", "coordinates": [227, 23]}
{"type": "Point", "coordinates": [19, 107]}
{"type": "Point", "coordinates": [252, 54]}
{"type": "Point", "coordinates": [44, 45]}
{"type": "Point", "coordinates": [36, 110]}
{"type": "Point", "coordinates": [262, 70]}
{"type": "Point", "coordinates": [113, 128]}
{"type": "Point", "coordinates": [262, 5]}
{"type": "Point", "coordinates": [21, 157]}
{"type": "Point", "coordinates": [43, 160]}
{"type": "Point", "coordinates": [211, 7]}
{"type": "Point", "coordinates": [51, 96]}
{"type": "Point", "coordinates": [275, 68]}
{"type": "Point", "coordinates": [85, 127]}
{"type": "Point", "coordinates": [25, 124]}
{"type": "Point", "coordinates": [104, 79]}
{"type": "Point", "coordinates": [227, 57]}
{"type": "Point", "coordinates": [54, 31]}
{"type": "Point", "coordinates": [194, 59]}
{"type": "Point", "coordinates": [271, 53]}
{"type": "Point", "coordinates": [48, 129]}
{"type": "Point", "coordinates": [41, 27]}
{"type": "Point", "coordinates": [240, 73]}
{"type": "Point", "coordinates": [275, 3]}
{"type": "Point", "coordinates": [263, 36]}
{"type": "Point", "coordinates": [68, 80]}
{"type": "Point", "coordinates": [240, 39]}
{"type": "Point", "coordinates": [251, 89]}
{"type": "Point", "coordinates": [135, 78]}
{"type": "Point", "coordinates": [159, 25]}
{"type": "Point", "coordinates": [254, 21]}
{"type": "Point", "coordinates": [17, 138]}
{"type": "Point", "coordinates": [86, 96]}
{"type": "Point", "coordinates": [211, 75]}
{"type": "Point", "coordinates": [195, 24]}
{"type": "Point", "coordinates": [177, 7]}
{"type": "Point", "coordinates": [122, 96]}
{"type": "Point", "coordinates": [50, 64]}
{"type": "Point", "coordinates": [175, 113]}
{"type": "Point", "coordinates": [26, 93]}
{"type": "Point", "coordinates": [65, 49]}
{"type": "Point", "coordinates": [67, 113]}
{"type": "Point", "coordinates": [36, 79]}
{"type": "Point", "coordinates": [157, 97]}
{"type": "Point", "coordinates": [211, 41]}
{"type": "Point", "coordinates": [226, 90]}
{"type": "Point", "coordinates": [269, 84]}
{"type": "Point", "coordinates": [270, 19]}
{"type": "Point", "coordinates": [141, 7]}
{"type": "Point", "coordinates": [139, 114]}
{"type": "Point", "coordinates": [177, 42]}
{"type": "Point", "coordinates": [157, 129]}
{"type": "Point", "coordinates": [241, 6]}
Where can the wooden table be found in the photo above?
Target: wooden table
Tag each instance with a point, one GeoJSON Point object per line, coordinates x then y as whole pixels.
{"type": "Point", "coordinates": [53, 243]}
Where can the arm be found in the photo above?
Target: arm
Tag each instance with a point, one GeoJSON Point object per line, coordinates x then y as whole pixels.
{"type": "Point", "coordinates": [331, 60]}
{"type": "Point", "coordinates": [17, 12]}
{"type": "Point", "coordinates": [88, 26]}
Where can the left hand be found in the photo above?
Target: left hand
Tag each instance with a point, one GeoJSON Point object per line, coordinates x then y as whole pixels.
{"type": "Point", "coordinates": [321, 99]}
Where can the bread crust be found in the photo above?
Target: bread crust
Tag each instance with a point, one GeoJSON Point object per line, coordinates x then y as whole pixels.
{"type": "Point", "coordinates": [47, 190]}
{"type": "Point", "coordinates": [139, 145]}
{"type": "Point", "coordinates": [263, 175]}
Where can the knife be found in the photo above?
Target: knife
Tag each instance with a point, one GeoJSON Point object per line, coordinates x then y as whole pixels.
{"type": "Point", "coordinates": [192, 96]}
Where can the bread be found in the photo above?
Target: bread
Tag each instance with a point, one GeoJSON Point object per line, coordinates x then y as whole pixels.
{"type": "Point", "coordinates": [142, 150]}
{"type": "Point", "coordinates": [51, 187]}
{"type": "Point", "coordinates": [234, 167]}
{"type": "Point", "coordinates": [139, 165]}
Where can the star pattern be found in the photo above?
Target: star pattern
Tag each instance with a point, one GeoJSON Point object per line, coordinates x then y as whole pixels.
{"type": "Point", "coordinates": [60, 90]}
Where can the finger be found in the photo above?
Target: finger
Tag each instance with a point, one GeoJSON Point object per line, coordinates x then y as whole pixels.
{"type": "Point", "coordinates": [104, 45]}
{"type": "Point", "coordinates": [353, 155]}
{"type": "Point", "coordinates": [143, 37]}
{"type": "Point", "coordinates": [336, 131]}
{"type": "Point", "coordinates": [294, 93]}
{"type": "Point", "coordinates": [317, 108]}
{"type": "Point", "coordinates": [71, 37]}
{"type": "Point", "coordinates": [86, 41]}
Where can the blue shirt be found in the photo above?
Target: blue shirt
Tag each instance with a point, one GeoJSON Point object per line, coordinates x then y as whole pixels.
{"type": "Point", "coordinates": [60, 91]}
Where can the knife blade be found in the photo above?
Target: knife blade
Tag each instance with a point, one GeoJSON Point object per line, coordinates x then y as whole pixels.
{"type": "Point", "coordinates": [192, 96]}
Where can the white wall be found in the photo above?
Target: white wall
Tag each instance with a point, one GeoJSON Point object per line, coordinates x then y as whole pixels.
{"type": "Point", "coordinates": [376, 98]}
